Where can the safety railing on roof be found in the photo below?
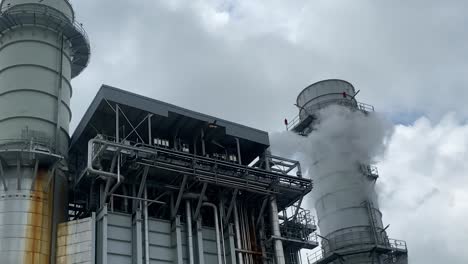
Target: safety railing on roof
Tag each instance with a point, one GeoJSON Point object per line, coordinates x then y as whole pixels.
{"type": "Point", "coordinates": [38, 14]}
{"type": "Point", "coordinates": [310, 110]}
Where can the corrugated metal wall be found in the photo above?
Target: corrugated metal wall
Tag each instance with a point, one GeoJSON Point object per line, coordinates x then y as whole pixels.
{"type": "Point", "coordinates": [115, 241]}
{"type": "Point", "coordinates": [75, 242]}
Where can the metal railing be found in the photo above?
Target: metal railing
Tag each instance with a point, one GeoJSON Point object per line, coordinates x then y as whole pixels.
{"type": "Point", "coordinates": [393, 245]}
{"type": "Point", "coordinates": [399, 245]}
{"type": "Point", "coordinates": [205, 169]}
{"type": "Point", "coordinates": [38, 14]}
{"type": "Point", "coordinates": [314, 256]}
{"type": "Point", "coordinates": [26, 144]}
{"type": "Point", "coordinates": [296, 120]}
{"type": "Point", "coordinates": [370, 171]}
{"type": "Point", "coordinates": [366, 108]}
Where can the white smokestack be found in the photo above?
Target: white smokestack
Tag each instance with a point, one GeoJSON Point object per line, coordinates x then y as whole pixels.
{"type": "Point", "coordinates": [343, 141]}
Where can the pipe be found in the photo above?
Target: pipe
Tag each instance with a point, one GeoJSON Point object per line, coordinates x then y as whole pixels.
{"type": "Point", "coordinates": [218, 240]}
{"type": "Point", "coordinates": [189, 232]}
{"type": "Point", "coordinates": [59, 98]}
{"type": "Point", "coordinates": [238, 238]}
{"type": "Point", "coordinates": [201, 257]}
{"type": "Point", "coordinates": [248, 234]}
{"type": "Point", "coordinates": [193, 196]}
{"type": "Point", "coordinates": [146, 238]}
{"type": "Point", "coordinates": [90, 168]}
{"type": "Point", "coordinates": [221, 226]}
{"type": "Point", "coordinates": [279, 252]}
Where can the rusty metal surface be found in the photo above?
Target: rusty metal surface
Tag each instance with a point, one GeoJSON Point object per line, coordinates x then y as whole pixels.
{"type": "Point", "coordinates": [75, 241]}
{"type": "Point", "coordinates": [26, 217]}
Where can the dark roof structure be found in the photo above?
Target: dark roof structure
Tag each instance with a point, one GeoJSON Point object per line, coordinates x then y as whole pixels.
{"type": "Point", "coordinates": [167, 120]}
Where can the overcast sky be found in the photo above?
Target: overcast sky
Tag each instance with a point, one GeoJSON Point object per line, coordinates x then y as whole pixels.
{"type": "Point", "coordinates": [246, 61]}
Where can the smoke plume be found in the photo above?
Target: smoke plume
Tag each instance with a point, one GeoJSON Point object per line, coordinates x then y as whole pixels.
{"type": "Point", "coordinates": [341, 139]}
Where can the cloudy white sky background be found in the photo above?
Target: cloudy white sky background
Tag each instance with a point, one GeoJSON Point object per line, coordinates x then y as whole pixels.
{"type": "Point", "coordinates": [246, 61]}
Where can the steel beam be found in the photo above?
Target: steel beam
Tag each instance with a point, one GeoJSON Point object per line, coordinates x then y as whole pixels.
{"type": "Point", "coordinates": [150, 135]}
{"type": "Point", "coordinates": [179, 197]}
{"type": "Point", "coordinates": [298, 208]}
{"type": "Point", "coordinates": [239, 157]}
{"type": "Point", "coordinates": [200, 201]}
{"type": "Point", "coordinates": [131, 125]}
{"type": "Point", "coordinates": [143, 181]}
{"type": "Point", "coordinates": [34, 176]}
{"type": "Point", "coordinates": [138, 199]}
{"type": "Point", "coordinates": [262, 210]}
{"type": "Point", "coordinates": [117, 125]}
{"type": "Point", "coordinates": [231, 205]}
{"type": "Point", "coordinates": [135, 129]}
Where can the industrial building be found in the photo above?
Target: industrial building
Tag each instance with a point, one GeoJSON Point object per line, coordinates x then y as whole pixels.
{"type": "Point", "coordinates": [139, 181]}
{"type": "Point", "coordinates": [143, 181]}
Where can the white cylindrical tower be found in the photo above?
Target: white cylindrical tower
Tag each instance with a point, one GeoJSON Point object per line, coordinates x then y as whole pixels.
{"type": "Point", "coordinates": [345, 199]}
{"type": "Point", "coordinates": [41, 49]}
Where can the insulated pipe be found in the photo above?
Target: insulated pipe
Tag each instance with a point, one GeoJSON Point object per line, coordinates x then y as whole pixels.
{"type": "Point", "coordinates": [279, 252]}
{"type": "Point", "coordinates": [221, 227]}
{"type": "Point", "coordinates": [98, 172]}
{"type": "Point", "coordinates": [189, 232]}
{"type": "Point", "coordinates": [146, 238]}
{"type": "Point", "coordinates": [218, 240]}
{"type": "Point", "coordinates": [238, 238]}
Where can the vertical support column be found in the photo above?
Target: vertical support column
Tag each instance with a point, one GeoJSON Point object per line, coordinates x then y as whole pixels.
{"type": "Point", "coordinates": [203, 142]}
{"type": "Point", "coordinates": [150, 134]}
{"type": "Point", "coordinates": [232, 247]}
{"type": "Point", "coordinates": [238, 235]}
{"type": "Point", "coordinates": [146, 238]}
{"type": "Point", "coordinates": [239, 156]}
{"type": "Point", "coordinates": [177, 240]}
{"type": "Point", "coordinates": [189, 232]}
{"type": "Point", "coordinates": [201, 251]}
{"type": "Point", "coordinates": [102, 235]}
{"type": "Point", "coordinates": [117, 125]}
{"type": "Point", "coordinates": [279, 251]}
{"type": "Point", "coordinates": [137, 250]}
{"type": "Point", "coordinates": [221, 226]}
{"type": "Point", "coordinates": [262, 240]}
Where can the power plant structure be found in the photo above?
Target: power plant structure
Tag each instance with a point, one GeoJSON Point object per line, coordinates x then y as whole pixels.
{"type": "Point", "coordinates": [41, 49]}
{"type": "Point", "coordinates": [349, 218]}
{"type": "Point", "coordinates": [140, 181]}
{"type": "Point", "coordinates": [143, 181]}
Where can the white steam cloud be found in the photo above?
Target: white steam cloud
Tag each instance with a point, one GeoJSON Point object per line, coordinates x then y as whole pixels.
{"type": "Point", "coordinates": [423, 176]}
{"type": "Point", "coordinates": [423, 189]}
{"type": "Point", "coordinates": [342, 139]}
{"type": "Point", "coordinates": [332, 155]}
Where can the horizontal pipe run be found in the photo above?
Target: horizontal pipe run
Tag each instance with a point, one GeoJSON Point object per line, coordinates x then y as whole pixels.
{"type": "Point", "coordinates": [155, 150]}
{"type": "Point", "coordinates": [139, 199]}
{"type": "Point", "coordinates": [248, 251]}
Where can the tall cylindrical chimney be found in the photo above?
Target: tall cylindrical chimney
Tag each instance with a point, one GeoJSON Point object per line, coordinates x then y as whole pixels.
{"type": "Point", "coordinates": [349, 218]}
{"type": "Point", "coordinates": [41, 49]}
